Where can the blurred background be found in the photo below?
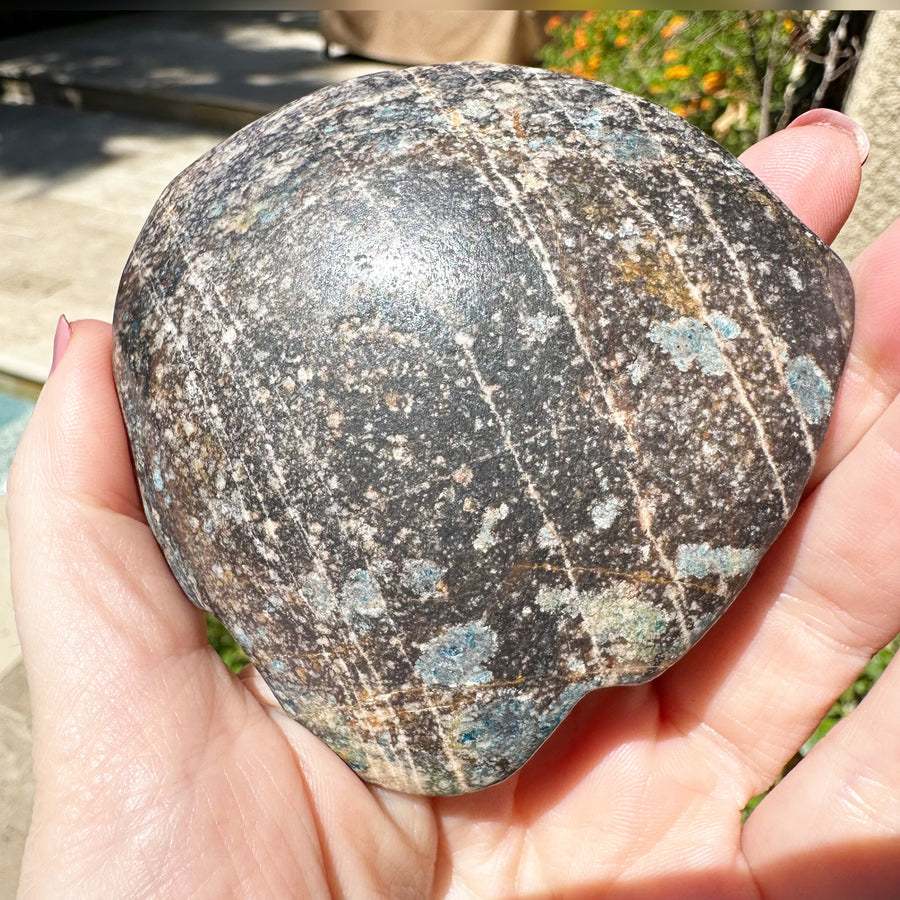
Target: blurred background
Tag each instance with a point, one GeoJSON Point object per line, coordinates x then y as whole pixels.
{"type": "Point", "coordinates": [99, 111]}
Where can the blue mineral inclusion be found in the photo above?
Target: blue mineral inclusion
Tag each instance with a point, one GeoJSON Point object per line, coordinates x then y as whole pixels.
{"type": "Point", "coordinates": [390, 112]}
{"type": "Point", "coordinates": [536, 143]}
{"type": "Point", "coordinates": [700, 560]}
{"type": "Point", "coordinates": [726, 326]}
{"type": "Point", "coordinates": [624, 146]}
{"type": "Point", "coordinates": [810, 388]}
{"type": "Point", "coordinates": [456, 655]}
{"type": "Point", "coordinates": [421, 576]}
{"type": "Point", "coordinates": [362, 594]}
{"type": "Point", "coordinates": [689, 341]}
{"type": "Point", "coordinates": [501, 724]}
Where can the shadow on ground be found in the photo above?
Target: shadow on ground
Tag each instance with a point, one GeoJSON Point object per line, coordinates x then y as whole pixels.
{"type": "Point", "coordinates": [224, 68]}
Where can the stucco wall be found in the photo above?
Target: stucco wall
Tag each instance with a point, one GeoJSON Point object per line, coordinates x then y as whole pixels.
{"type": "Point", "coordinates": [874, 102]}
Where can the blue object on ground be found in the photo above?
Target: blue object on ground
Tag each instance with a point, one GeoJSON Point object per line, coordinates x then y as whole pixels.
{"type": "Point", "coordinates": [14, 415]}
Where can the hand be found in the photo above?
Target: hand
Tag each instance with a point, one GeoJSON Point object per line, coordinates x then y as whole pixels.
{"type": "Point", "coordinates": [159, 774]}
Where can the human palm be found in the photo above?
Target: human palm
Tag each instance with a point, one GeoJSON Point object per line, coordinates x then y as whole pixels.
{"type": "Point", "coordinates": [160, 774]}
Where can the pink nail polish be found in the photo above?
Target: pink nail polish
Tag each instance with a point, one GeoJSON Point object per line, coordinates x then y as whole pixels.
{"type": "Point", "coordinates": [60, 341]}
{"type": "Point", "coordinates": [831, 118]}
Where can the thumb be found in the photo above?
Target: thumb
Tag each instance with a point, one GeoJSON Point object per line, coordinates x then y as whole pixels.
{"type": "Point", "coordinates": [75, 443]}
{"type": "Point", "coordinates": [96, 605]}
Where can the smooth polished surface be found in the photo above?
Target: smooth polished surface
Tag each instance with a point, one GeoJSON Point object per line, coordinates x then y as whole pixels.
{"type": "Point", "coordinates": [460, 391]}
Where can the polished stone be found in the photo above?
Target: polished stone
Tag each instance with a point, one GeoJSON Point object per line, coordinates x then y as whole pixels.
{"type": "Point", "coordinates": [460, 391]}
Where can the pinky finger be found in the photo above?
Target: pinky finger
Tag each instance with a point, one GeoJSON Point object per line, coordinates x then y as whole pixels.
{"type": "Point", "coordinates": [831, 829]}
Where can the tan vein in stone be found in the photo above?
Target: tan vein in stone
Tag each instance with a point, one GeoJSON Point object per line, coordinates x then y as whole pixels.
{"type": "Point", "coordinates": [644, 577]}
{"type": "Point", "coordinates": [560, 298]}
{"type": "Point", "coordinates": [449, 751]}
{"type": "Point", "coordinates": [573, 678]}
{"type": "Point", "coordinates": [422, 486]}
{"type": "Point", "coordinates": [704, 315]}
{"type": "Point", "coordinates": [223, 439]}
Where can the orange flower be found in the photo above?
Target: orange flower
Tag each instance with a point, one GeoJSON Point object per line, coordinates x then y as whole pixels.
{"type": "Point", "coordinates": [621, 40]}
{"type": "Point", "coordinates": [594, 62]}
{"type": "Point", "coordinates": [635, 13]}
{"type": "Point", "coordinates": [788, 26]}
{"type": "Point", "coordinates": [681, 111]}
{"type": "Point", "coordinates": [588, 17]}
{"type": "Point", "coordinates": [712, 82]}
{"type": "Point", "coordinates": [671, 55]}
{"type": "Point", "coordinates": [579, 39]}
{"type": "Point", "coordinates": [674, 25]}
{"type": "Point", "coordinates": [677, 73]}
{"type": "Point", "coordinates": [552, 24]}
{"type": "Point", "coordinates": [578, 68]}
{"type": "Point", "coordinates": [623, 22]}
{"type": "Point", "coordinates": [706, 104]}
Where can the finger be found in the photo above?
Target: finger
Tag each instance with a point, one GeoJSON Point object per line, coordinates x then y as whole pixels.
{"type": "Point", "coordinates": [872, 374]}
{"type": "Point", "coordinates": [814, 168]}
{"type": "Point", "coordinates": [841, 803]}
{"type": "Point", "coordinates": [95, 601]}
{"type": "Point", "coordinates": [75, 443]}
{"type": "Point", "coordinates": [255, 684]}
{"type": "Point", "coordinates": [822, 602]}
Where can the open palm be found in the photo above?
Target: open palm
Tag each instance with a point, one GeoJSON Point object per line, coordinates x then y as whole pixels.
{"type": "Point", "coordinates": [160, 774]}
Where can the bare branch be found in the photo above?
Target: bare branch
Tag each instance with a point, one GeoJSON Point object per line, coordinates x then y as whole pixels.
{"type": "Point", "coordinates": [835, 44]}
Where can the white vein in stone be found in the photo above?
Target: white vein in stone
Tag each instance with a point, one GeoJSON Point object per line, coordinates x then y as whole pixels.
{"type": "Point", "coordinates": [534, 242]}
{"type": "Point", "coordinates": [752, 304]}
{"type": "Point", "coordinates": [697, 295]}
{"type": "Point", "coordinates": [450, 753]}
{"type": "Point", "coordinates": [208, 289]}
{"type": "Point", "coordinates": [464, 342]}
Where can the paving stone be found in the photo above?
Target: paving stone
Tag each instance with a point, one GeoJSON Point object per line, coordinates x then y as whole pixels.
{"type": "Point", "coordinates": [75, 188]}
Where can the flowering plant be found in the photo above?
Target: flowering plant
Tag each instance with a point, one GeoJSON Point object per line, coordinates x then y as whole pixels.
{"type": "Point", "coordinates": [728, 72]}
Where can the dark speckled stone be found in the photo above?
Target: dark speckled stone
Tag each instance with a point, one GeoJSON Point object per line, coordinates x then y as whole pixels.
{"type": "Point", "coordinates": [458, 392]}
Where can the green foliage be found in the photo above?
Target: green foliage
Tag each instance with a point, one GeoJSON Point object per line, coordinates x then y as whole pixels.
{"type": "Point", "coordinates": [724, 71]}
{"type": "Point", "coordinates": [223, 643]}
{"type": "Point", "coordinates": [849, 700]}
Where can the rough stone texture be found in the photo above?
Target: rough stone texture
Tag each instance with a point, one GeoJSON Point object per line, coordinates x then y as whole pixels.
{"type": "Point", "coordinates": [874, 100]}
{"type": "Point", "coordinates": [460, 391]}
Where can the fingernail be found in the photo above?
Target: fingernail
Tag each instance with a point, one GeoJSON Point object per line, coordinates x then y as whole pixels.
{"type": "Point", "coordinates": [60, 341]}
{"type": "Point", "coordinates": [831, 118]}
